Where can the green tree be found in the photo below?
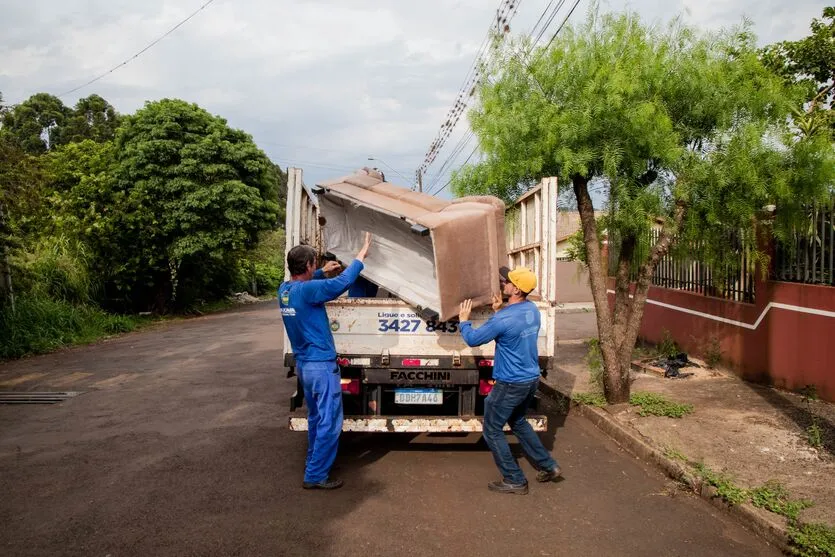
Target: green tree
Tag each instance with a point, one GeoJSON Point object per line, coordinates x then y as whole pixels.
{"type": "Point", "coordinates": [685, 127]}
{"type": "Point", "coordinates": [20, 195]}
{"type": "Point", "coordinates": [84, 205]}
{"type": "Point", "coordinates": [279, 177]}
{"type": "Point", "coordinates": [811, 62]}
{"type": "Point", "coordinates": [36, 122]}
{"type": "Point", "coordinates": [196, 193]}
{"type": "Point", "coordinates": [92, 118]}
{"type": "Point", "coordinates": [42, 122]}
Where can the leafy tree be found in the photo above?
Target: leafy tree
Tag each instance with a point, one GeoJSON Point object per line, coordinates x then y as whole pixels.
{"type": "Point", "coordinates": [687, 128]}
{"type": "Point", "coordinates": [20, 183]}
{"type": "Point", "coordinates": [36, 122]}
{"type": "Point", "coordinates": [811, 62]}
{"type": "Point", "coordinates": [279, 177]}
{"type": "Point", "coordinates": [84, 204]}
{"type": "Point", "coordinates": [42, 122]}
{"type": "Point", "coordinates": [92, 118]}
{"type": "Point", "coordinates": [195, 193]}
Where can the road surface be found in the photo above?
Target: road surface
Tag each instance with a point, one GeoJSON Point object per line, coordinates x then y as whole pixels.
{"type": "Point", "coordinates": [179, 446]}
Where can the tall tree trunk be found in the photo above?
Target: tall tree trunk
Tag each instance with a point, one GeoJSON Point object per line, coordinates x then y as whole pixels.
{"type": "Point", "coordinates": [614, 388]}
{"type": "Point", "coordinates": [5, 266]}
{"type": "Point", "coordinates": [618, 328]}
{"type": "Point", "coordinates": [665, 240]}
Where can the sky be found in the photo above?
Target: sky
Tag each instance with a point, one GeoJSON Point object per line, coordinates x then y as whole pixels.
{"type": "Point", "coordinates": [319, 84]}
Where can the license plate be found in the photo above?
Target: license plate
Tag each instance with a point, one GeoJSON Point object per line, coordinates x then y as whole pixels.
{"type": "Point", "coordinates": [418, 396]}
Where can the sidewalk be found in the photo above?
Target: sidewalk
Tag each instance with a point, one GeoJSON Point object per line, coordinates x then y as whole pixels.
{"type": "Point", "coordinates": [750, 433]}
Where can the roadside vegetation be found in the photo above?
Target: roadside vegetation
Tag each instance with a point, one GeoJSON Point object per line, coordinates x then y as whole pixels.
{"type": "Point", "coordinates": [108, 221]}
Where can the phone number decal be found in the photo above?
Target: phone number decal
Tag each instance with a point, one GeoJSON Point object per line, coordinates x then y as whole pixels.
{"type": "Point", "coordinates": [415, 326]}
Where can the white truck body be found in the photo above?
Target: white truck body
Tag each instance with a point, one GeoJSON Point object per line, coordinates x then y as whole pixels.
{"type": "Point", "coordinates": [385, 338]}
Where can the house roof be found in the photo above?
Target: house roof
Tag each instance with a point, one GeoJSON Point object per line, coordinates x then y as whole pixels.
{"type": "Point", "coordinates": [568, 223]}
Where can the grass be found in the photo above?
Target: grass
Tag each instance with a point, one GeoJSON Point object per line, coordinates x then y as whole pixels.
{"type": "Point", "coordinates": [774, 497]}
{"type": "Point", "coordinates": [805, 539]}
{"type": "Point", "coordinates": [656, 405]}
{"type": "Point", "coordinates": [594, 359]}
{"type": "Point", "coordinates": [667, 346]}
{"type": "Point", "coordinates": [589, 399]}
{"type": "Point", "coordinates": [674, 454]}
{"type": "Point", "coordinates": [814, 435]}
{"type": "Point", "coordinates": [724, 484]}
{"type": "Point", "coordinates": [38, 325]}
{"type": "Point", "coordinates": [812, 540]}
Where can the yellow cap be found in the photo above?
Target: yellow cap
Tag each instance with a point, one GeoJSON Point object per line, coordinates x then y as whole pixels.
{"type": "Point", "coordinates": [522, 278]}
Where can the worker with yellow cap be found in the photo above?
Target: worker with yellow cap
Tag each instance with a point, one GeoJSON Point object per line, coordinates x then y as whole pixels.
{"type": "Point", "coordinates": [515, 328]}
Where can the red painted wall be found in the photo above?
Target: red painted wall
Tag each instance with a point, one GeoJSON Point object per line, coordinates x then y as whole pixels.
{"type": "Point", "coordinates": [788, 348]}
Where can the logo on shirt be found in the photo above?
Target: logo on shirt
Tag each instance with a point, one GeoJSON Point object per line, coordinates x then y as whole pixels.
{"type": "Point", "coordinates": [285, 300]}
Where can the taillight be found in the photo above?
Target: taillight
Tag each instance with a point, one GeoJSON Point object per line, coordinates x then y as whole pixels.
{"type": "Point", "coordinates": [485, 363]}
{"type": "Point", "coordinates": [343, 361]}
{"type": "Point", "coordinates": [350, 386]}
{"type": "Point", "coordinates": [485, 386]}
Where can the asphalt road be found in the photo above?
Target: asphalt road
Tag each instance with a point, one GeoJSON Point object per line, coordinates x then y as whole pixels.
{"type": "Point", "coordinates": [179, 446]}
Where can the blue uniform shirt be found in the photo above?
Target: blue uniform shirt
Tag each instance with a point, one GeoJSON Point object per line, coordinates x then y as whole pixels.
{"type": "Point", "coordinates": [302, 306]}
{"type": "Point", "coordinates": [515, 329]}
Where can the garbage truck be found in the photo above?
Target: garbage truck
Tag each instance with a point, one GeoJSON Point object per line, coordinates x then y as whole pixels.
{"type": "Point", "coordinates": [402, 368]}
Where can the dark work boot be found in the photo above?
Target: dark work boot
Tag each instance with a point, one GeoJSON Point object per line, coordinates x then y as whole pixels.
{"type": "Point", "coordinates": [502, 486]}
{"type": "Point", "coordinates": [549, 475]}
{"type": "Point", "coordinates": [324, 484]}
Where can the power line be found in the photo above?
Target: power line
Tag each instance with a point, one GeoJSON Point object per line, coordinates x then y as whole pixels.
{"type": "Point", "coordinates": [548, 22]}
{"type": "Point", "coordinates": [138, 54]}
{"type": "Point", "coordinates": [449, 176]}
{"type": "Point", "coordinates": [554, 10]}
{"type": "Point", "coordinates": [504, 14]}
{"type": "Point", "coordinates": [541, 16]}
{"type": "Point", "coordinates": [460, 146]}
{"type": "Point", "coordinates": [554, 36]}
{"type": "Point", "coordinates": [449, 181]}
{"type": "Point", "coordinates": [465, 140]}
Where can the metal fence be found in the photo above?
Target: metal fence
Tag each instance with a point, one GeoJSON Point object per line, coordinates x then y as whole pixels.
{"type": "Point", "coordinates": [684, 268]}
{"type": "Point", "coordinates": [810, 256]}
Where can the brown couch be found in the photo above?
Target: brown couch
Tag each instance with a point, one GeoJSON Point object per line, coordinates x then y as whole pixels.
{"type": "Point", "coordinates": [431, 253]}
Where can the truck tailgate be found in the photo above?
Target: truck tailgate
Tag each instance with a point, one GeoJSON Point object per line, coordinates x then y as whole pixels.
{"type": "Point", "coordinates": [377, 325]}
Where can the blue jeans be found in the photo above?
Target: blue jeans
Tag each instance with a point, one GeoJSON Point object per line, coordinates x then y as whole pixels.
{"type": "Point", "coordinates": [323, 396]}
{"type": "Point", "coordinates": [508, 403]}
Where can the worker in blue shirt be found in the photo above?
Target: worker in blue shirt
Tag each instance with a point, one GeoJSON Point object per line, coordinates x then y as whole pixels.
{"type": "Point", "coordinates": [515, 329]}
{"type": "Point", "coordinates": [302, 302]}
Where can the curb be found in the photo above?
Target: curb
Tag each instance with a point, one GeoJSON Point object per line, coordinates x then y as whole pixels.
{"type": "Point", "coordinates": [633, 442]}
{"type": "Point", "coordinates": [576, 309]}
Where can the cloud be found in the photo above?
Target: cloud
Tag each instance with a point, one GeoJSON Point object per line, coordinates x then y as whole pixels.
{"type": "Point", "coordinates": [324, 82]}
